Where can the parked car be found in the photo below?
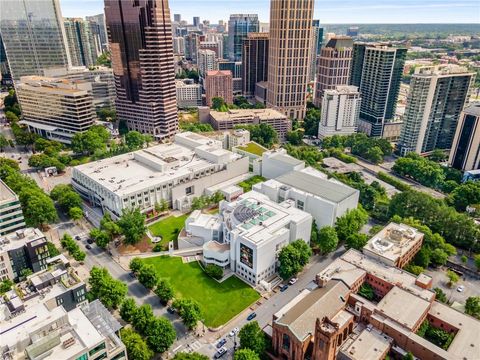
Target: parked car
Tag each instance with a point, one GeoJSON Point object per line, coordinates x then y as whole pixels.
{"type": "Point", "coordinates": [460, 288]}
{"type": "Point", "coordinates": [89, 247]}
{"type": "Point", "coordinates": [90, 241]}
{"type": "Point", "coordinates": [251, 316]}
{"type": "Point", "coordinates": [222, 351]}
{"type": "Point", "coordinates": [292, 281]}
{"type": "Point", "coordinates": [221, 343]}
{"type": "Point", "coordinates": [132, 274]}
{"type": "Point", "coordinates": [233, 332]}
{"type": "Point", "coordinates": [283, 287]}
{"type": "Point", "coordinates": [171, 310]}
{"type": "Point", "coordinates": [77, 237]}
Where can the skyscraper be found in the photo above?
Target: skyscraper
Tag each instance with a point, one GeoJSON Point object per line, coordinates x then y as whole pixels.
{"type": "Point", "coordinates": [207, 61]}
{"type": "Point", "coordinates": [377, 70]}
{"type": "Point", "coordinates": [437, 97]}
{"type": "Point", "coordinates": [288, 56]}
{"type": "Point", "coordinates": [254, 61]}
{"type": "Point", "coordinates": [340, 111]}
{"type": "Point", "coordinates": [177, 17]}
{"type": "Point", "coordinates": [317, 41]}
{"type": "Point", "coordinates": [465, 153]}
{"type": "Point", "coordinates": [196, 21]}
{"type": "Point", "coordinates": [333, 65]}
{"type": "Point", "coordinates": [33, 36]}
{"type": "Point", "coordinates": [98, 22]}
{"type": "Point", "coordinates": [219, 83]}
{"type": "Point", "coordinates": [83, 41]}
{"type": "Point", "coordinates": [140, 37]}
{"type": "Point", "coordinates": [239, 26]}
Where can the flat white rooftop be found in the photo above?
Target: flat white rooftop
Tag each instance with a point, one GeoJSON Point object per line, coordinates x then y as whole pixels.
{"type": "Point", "coordinates": [6, 194]}
{"type": "Point", "coordinates": [19, 238]}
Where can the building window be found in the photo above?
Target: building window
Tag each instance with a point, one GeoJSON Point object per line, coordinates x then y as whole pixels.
{"type": "Point", "coordinates": [300, 204]}
{"type": "Point", "coordinates": [97, 349]}
{"type": "Point", "coordinates": [286, 342]}
{"type": "Point", "coordinates": [189, 190]}
{"type": "Point", "coordinates": [83, 357]}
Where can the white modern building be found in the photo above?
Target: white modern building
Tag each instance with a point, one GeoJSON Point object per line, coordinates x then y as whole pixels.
{"type": "Point", "coordinates": [177, 172]}
{"type": "Point", "coordinates": [311, 191]}
{"type": "Point", "coordinates": [189, 94]}
{"type": "Point", "coordinates": [340, 111]}
{"type": "Point", "coordinates": [42, 332]}
{"type": "Point", "coordinates": [56, 108]}
{"type": "Point", "coordinates": [248, 234]}
{"type": "Point", "coordinates": [11, 214]}
{"type": "Point", "coordinates": [207, 61]}
{"type": "Point", "coordinates": [277, 162]}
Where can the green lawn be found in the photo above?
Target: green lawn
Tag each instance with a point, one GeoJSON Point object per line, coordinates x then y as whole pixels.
{"type": "Point", "coordinates": [253, 148]}
{"type": "Point", "coordinates": [246, 185]}
{"type": "Point", "coordinates": [219, 301]}
{"type": "Point", "coordinates": [168, 228]}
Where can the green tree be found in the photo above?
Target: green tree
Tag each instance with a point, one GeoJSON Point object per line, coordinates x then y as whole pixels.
{"type": "Point", "coordinates": [214, 271]}
{"type": "Point", "coordinates": [147, 276]}
{"type": "Point", "coordinates": [189, 311]}
{"type": "Point", "coordinates": [189, 356]}
{"type": "Point", "coordinates": [374, 154]}
{"type": "Point", "coordinates": [3, 142]}
{"type": "Point", "coordinates": [219, 104]}
{"type": "Point", "coordinates": [252, 337]}
{"type": "Point", "coordinates": [11, 117]}
{"type": "Point", "coordinates": [327, 239]}
{"type": "Point", "coordinates": [132, 225]}
{"type": "Point", "coordinates": [5, 286]}
{"type": "Point", "coordinates": [452, 278]}
{"type": "Point", "coordinates": [134, 140]}
{"type": "Point", "coordinates": [438, 257]}
{"type": "Point", "coordinates": [408, 356]}
{"type": "Point", "coordinates": [52, 250]}
{"type": "Point", "coordinates": [75, 213]}
{"type": "Point", "coordinates": [356, 241]}
{"type": "Point", "coordinates": [109, 226]}
{"type": "Point", "coordinates": [100, 237]}
{"type": "Point", "coordinates": [293, 258]}
{"type": "Point", "coordinates": [160, 334]}
{"type": "Point", "coordinates": [107, 114]}
{"type": "Point", "coordinates": [311, 120]}
{"type": "Point", "coordinates": [476, 259]}
{"type": "Point", "coordinates": [38, 208]}
{"type": "Point", "coordinates": [142, 317]}
{"type": "Point", "coordinates": [472, 306]}
{"type": "Point", "coordinates": [464, 259]}
{"type": "Point", "coordinates": [136, 264]}
{"type": "Point", "coordinates": [464, 195]}
{"type": "Point", "coordinates": [246, 354]}
{"type": "Point", "coordinates": [263, 133]}
{"type": "Point", "coordinates": [128, 309]}
{"type": "Point", "coordinates": [137, 348]}
{"type": "Point", "coordinates": [438, 155]}
{"type": "Point", "coordinates": [351, 222]}
{"type": "Point", "coordinates": [366, 290]}
{"type": "Point", "coordinates": [295, 137]}
{"type": "Point", "coordinates": [440, 295]}
{"type": "Point", "coordinates": [164, 291]}
{"type": "Point", "coordinates": [109, 291]}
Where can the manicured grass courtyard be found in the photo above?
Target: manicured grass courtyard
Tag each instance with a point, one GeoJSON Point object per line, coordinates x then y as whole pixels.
{"type": "Point", "coordinates": [219, 301]}
{"type": "Point", "coordinates": [168, 228]}
{"type": "Point", "coordinates": [246, 185]}
{"type": "Point", "coordinates": [253, 148]}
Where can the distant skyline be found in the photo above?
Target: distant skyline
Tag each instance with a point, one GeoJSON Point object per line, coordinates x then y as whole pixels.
{"type": "Point", "coordinates": [328, 11]}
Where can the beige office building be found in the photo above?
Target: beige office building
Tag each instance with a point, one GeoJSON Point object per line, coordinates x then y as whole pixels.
{"type": "Point", "coordinates": [289, 55]}
{"type": "Point", "coordinates": [56, 108]}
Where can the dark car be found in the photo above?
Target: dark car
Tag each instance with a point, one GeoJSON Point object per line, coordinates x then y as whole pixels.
{"type": "Point", "coordinates": [88, 247]}
{"type": "Point", "coordinates": [222, 351]}
{"type": "Point", "coordinates": [283, 288]}
{"type": "Point", "coordinates": [77, 237]}
{"type": "Point", "coordinates": [132, 274]}
{"type": "Point", "coordinates": [171, 310]}
{"type": "Point", "coordinates": [251, 316]}
{"type": "Point", "coordinates": [90, 241]}
{"type": "Point", "coordinates": [221, 343]}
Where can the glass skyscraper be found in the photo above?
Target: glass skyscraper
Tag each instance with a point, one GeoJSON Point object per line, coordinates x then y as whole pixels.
{"type": "Point", "coordinates": [33, 36]}
{"type": "Point", "coordinates": [239, 26]}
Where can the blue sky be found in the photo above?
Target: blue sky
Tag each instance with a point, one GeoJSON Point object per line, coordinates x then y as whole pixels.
{"type": "Point", "coordinates": [328, 11]}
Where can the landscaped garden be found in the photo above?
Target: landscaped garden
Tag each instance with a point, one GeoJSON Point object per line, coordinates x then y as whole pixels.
{"type": "Point", "coordinates": [246, 185]}
{"type": "Point", "coordinates": [168, 228]}
{"type": "Point", "coordinates": [219, 302]}
{"type": "Point", "coordinates": [253, 148]}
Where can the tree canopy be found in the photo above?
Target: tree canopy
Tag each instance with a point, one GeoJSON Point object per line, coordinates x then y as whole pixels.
{"type": "Point", "coordinates": [109, 291]}
{"type": "Point", "coordinates": [189, 311]}
{"type": "Point", "coordinates": [263, 134]}
{"type": "Point", "coordinates": [137, 348]}
{"type": "Point", "coordinates": [293, 258]}
{"type": "Point", "coordinates": [252, 337]}
{"type": "Point", "coordinates": [132, 225]}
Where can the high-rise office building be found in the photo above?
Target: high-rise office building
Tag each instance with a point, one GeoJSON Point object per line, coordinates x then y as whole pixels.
{"type": "Point", "coordinates": [33, 36]}
{"type": "Point", "coordinates": [11, 214]}
{"type": "Point", "coordinates": [352, 31]}
{"type": "Point", "coordinates": [340, 111]}
{"type": "Point", "coordinates": [5, 75]}
{"type": "Point", "coordinates": [317, 41]}
{"type": "Point", "coordinates": [177, 17]}
{"type": "Point", "coordinates": [83, 41]}
{"type": "Point", "coordinates": [196, 21]}
{"type": "Point", "coordinates": [254, 61]}
{"type": "Point", "coordinates": [219, 83]}
{"type": "Point", "coordinates": [289, 55]}
{"type": "Point", "coordinates": [207, 61]}
{"type": "Point", "coordinates": [140, 38]}
{"type": "Point", "coordinates": [465, 153]}
{"type": "Point", "coordinates": [333, 65]}
{"type": "Point", "coordinates": [377, 70]}
{"type": "Point", "coordinates": [239, 26]}
{"type": "Point", "coordinates": [235, 67]}
{"type": "Point", "coordinates": [436, 99]}
{"type": "Point", "coordinates": [179, 45]}
{"type": "Point", "coordinates": [98, 22]}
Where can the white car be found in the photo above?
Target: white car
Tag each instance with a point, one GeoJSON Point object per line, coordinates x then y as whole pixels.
{"type": "Point", "coordinates": [292, 281]}
{"type": "Point", "coordinates": [460, 288]}
{"type": "Point", "coordinates": [234, 332]}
